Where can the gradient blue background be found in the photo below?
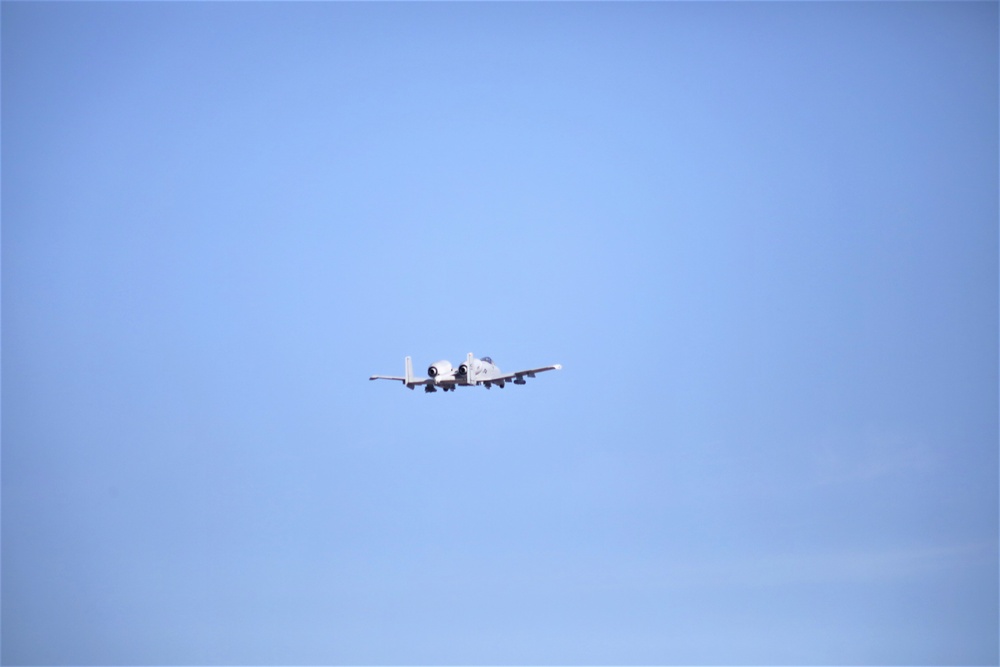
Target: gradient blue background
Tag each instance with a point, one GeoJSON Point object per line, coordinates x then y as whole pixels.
{"type": "Point", "coordinates": [761, 238]}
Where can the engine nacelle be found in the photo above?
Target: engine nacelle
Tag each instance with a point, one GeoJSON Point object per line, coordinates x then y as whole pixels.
{"type": "Point", "coordinates": [440, 368]}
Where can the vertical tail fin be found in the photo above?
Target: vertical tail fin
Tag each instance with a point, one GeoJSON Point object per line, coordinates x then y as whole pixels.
{"type": "Point", "coordinates": [470, 375]}
{"type": "Point", "coordinates": [409, 372]}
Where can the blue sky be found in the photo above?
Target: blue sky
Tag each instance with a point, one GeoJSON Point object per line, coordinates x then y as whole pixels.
{"type": "Point", "coordinates": [761, 238]}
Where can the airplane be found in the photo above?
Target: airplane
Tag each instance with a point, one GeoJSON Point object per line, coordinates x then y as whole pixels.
{"type": "Point", "coordinates": [470, 374]}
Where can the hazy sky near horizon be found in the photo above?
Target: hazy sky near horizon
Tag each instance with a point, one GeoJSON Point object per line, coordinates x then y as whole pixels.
{"type": "Point", "coordinates": [761, 238]}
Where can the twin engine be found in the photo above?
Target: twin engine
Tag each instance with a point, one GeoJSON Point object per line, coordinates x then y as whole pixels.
{"type": "Point", "coordinates": [440, 369]}
{"type": "Point", "coordinates": [466, 373]}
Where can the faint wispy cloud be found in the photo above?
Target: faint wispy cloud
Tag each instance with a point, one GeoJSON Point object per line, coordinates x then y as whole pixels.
{"type": "Point", "coordinates": [842, 566]}
{"type": "Point", "coordinates": [868, 457]}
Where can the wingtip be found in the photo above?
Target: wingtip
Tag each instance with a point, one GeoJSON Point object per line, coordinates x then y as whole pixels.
{"type": "Point", "coordinates": [558, 367]}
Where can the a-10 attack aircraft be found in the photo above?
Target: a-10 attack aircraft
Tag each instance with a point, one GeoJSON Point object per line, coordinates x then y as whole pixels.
{"type": "Point", "coordinates": [473, 372]}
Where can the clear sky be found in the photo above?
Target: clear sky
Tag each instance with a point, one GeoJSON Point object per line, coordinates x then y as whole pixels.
{"type": "Point", "coordinates": [762, 239]}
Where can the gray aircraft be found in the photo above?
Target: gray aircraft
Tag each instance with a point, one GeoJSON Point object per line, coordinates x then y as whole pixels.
{"type": "Point", "coordinates": [470, 374]}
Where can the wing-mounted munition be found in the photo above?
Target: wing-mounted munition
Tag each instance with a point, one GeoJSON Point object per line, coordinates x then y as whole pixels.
{"type": "Point", "coordinates": [470, 374]}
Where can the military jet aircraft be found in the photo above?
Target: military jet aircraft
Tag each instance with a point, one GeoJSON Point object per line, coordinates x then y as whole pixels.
{"type": "Point", "coordinates": [470, 374]}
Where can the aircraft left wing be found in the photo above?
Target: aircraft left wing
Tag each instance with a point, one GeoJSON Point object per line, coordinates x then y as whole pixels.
{"type": "Point", "coordinates": [409, 379]}
{"type": "Point", "coordinates": [387, 377]}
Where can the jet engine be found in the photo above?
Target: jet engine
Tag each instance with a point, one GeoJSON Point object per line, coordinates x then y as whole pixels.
{"type": "Point", "coordinates": [439, 368]}
{"type": "Point", "coordinates": [469, 369]}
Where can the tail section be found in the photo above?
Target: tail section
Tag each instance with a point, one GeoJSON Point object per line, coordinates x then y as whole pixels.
{"type": "Point", "coordinates": [470, 374]}
{"type": "Point", "coordinates": [409, 373]}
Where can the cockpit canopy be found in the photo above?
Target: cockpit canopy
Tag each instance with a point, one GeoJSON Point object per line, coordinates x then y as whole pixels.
{"type": "Point", "coordinates": [487, 360]}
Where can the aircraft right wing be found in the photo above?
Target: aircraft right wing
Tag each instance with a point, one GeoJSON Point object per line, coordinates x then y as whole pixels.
{"type": "Point", "coordinates": [518, 376]}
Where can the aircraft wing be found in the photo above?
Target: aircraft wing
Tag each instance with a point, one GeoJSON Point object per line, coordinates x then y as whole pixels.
{"type": "Point", "coordinates": [518, 376]}
{"type": "Point", "coordinates": [409, 380]}
{"type": "Point", "coordinates": [399, 379]}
